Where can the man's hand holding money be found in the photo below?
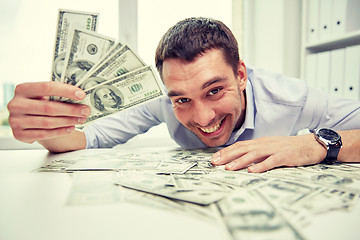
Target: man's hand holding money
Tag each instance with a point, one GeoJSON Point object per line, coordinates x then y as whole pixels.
{"type": "Point", "coordinates": [33, 117]}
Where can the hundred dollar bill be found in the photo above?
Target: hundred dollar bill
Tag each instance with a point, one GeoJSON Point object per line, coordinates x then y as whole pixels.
{"type": "Point", "coordinates": [121, 93]}
{"type": "Point", "coordinates": [86, 48]}
{"type": "Point", "coordinates": [287, 192]}
{"type": "Point", "coordinates": [112, 164]}
{"type": "Point", "coordinates": [159, 185]}
{"type": "Point", "coordinates": [208, 213]}
{"type": "Point", "coordinates": [345, 170]}
{"type": "Point", "coordinates": [112, 51]}
{"type": "Point", "coordinates": [237, 179]}
{"type": "Point", "coordinates": [326, 177]}
{"type": "Point", "coordinates": [90, 188]}
{"type": "Point", "coordinates": [122, 61]}
{"type": "Point", "coordinates": [247, 215]}
{"type": "Point", "coordinates": [325, 200]}
{"type": "Point", "coordinates": [67, 19]}
{"type": "Point", "coordinates": [189, 183]}
{"type": "Point", "coordinates": [56, 166]}
{"type": "Point", "coordinates": [121, 163]}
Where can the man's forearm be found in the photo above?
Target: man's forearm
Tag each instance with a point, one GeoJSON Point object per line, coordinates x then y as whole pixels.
{"type": "Point", "coordinates": [73, 141]}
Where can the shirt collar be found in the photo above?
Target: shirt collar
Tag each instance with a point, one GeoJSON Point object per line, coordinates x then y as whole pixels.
{"type": "Point", "coordinates": [249, 115]}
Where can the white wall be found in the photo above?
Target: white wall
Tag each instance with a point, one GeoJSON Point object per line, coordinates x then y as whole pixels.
{"type": "Point", "coordinates": [155, 17]}
{"type": "Point", "coordinates": [272, 35]}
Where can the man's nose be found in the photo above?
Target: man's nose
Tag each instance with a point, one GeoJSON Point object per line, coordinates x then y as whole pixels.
{"type": "Point", "coordinates": [203, 114]}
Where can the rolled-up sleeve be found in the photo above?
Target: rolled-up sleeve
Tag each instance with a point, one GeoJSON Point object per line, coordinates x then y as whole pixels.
{"type": "Point", "coordinates": [120, 127]}
{"type": "Point", "coordinates": [323, 110]}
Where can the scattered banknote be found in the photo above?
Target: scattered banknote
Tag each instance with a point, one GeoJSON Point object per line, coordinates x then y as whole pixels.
{"type": "Point", "coordinates": [94, 188]}
{"type": "Point", "coordinates": [247, 215]}
{"type": "Point", "coordinates": [232, 178]}
{"type": "Point", "coordinates": [326, 199]}
{"type": "Point", "coordinates": [158, 166]}
{"type": "Point", "coordinates": [346, 179]}
{"type": "Point", "coordinates": [98, 188]}
{"type": "Point", "coordinates": [276, 204]}
{"type": "Point", "coordinates": [160, 185]}
{"type": "Point", "coordinates": [56, 166]}
{"type": "Point", "coordinates": [196, 183]}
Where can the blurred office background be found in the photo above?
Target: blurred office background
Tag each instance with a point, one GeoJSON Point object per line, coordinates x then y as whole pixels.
{"type": "Point", "coordinates": [283, 36]}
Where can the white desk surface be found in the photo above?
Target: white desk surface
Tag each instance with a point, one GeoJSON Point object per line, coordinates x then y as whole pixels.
{"type": "Point", "coordinates": [32, 206]}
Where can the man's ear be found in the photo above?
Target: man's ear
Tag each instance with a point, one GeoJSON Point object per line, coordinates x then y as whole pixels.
{"type": "Point", "coordinates": [242, 75]}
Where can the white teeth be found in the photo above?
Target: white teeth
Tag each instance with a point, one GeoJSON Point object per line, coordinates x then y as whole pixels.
{"type": "Point", "coordinates": [211, 129]}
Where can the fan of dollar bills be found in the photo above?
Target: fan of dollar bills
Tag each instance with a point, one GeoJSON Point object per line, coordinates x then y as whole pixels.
{"type": "Point", "coordinates": [112, 75]}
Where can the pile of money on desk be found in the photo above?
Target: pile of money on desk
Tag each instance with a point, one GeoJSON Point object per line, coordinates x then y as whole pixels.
{"type": "Point", "coordinates": [112, 75]}
{"type": "Point", "coordinates": [273, 205]}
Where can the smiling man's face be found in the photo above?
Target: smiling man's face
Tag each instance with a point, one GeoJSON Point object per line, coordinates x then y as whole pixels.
{"type": "Point", "coordinates": [207, 97]}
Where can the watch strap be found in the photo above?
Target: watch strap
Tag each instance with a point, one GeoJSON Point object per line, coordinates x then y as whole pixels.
{"type": "Point", "coordinates": [332, 153]}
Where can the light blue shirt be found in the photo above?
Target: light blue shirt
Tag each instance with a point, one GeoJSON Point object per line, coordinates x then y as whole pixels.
{"type": "Point", "coordinates": [276, 105]}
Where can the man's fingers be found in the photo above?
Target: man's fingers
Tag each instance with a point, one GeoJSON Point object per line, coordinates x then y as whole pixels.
{"type": "Point", "coordinates": [270, 152]}
{"type": "Point", "coordinates": [40, 122]}
{"type": "Point", "coordinates": [265, 165]}
{"type": "Point", "coordinates": [47, 108]}
{"type": "Point", "coordinates": [32, 117]}
{"type": "Point", "coordinates": [251, 149]}
{"type": "Point", "coordinates": [244, 161]}
{"type": "Point", "coordinates": [228, 154]}
{"type": "Point", "coordinates": [51, 88]}
{"type": "Point", "coordinates": [32, 135]}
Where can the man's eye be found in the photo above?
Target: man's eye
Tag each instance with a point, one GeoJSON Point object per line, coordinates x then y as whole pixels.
{"type": "Point", "coordinates": [214, 91]}
{"type": "Point", "coordinates": [182, 100]}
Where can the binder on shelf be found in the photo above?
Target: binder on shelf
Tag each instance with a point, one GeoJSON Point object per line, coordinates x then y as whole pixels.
{"type": "Point", "coordinates": [345, 17]}
{"type": "Point", "coordinates": [337, 64]}
{"type": "Point", "coordinates": [325, 19]}
{"type": "Point", "coordinates": [338, 70]}
{"type": "Point", "coordinates": [330, 19]}
{"type": "Point", "coordinates": [352, 73]}
{"type": "Point", "coordinates": [338, 19]}
{"type": "Point", "coordinates": [313, 21]}
{"type": "Point", "coordinates": [310, 70]}
{"type": "Point", "coordinates": [352, 15]}
{"type": "Point", "coordinates": [323, 71]}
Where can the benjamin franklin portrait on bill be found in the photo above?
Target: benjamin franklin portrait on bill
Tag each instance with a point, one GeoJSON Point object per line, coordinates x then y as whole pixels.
{"type": "Point", "coordinates": [107, 98]}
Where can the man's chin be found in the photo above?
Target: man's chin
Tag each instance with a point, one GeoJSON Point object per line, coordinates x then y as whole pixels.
{"type": "Point", "coordinates": [213, 142]}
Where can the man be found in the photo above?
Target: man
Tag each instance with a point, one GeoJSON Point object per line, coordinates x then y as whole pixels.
{"type": "Point", "coordinates": [213, 100]}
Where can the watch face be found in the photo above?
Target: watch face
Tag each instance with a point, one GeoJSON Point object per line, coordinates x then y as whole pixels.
{"type": "Point", "coordinates": [329, 134]}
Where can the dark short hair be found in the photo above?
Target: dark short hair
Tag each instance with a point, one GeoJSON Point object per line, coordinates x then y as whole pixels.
{"type": "Point", "coordinates": [193, 36]}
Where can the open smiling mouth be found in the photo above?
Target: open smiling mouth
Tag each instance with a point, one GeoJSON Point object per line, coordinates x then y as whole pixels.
{"type": "Point", "coordinates": [212, 130]}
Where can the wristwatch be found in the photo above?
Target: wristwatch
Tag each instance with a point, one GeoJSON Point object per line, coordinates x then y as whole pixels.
{"type": "Point", "coordinates": [331, 140]}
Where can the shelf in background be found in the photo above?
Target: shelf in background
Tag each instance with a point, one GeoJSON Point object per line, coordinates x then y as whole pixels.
{"type": "Point", "coordinates": [349, 39]}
